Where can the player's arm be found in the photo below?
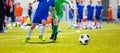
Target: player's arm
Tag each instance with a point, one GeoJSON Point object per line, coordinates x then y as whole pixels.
{"type": "Point", "coordinates": [32, 2]}
{"type": "Point", "coordinates": [77, 11]}
{"type": "Point", "coordinates": [101, 12]}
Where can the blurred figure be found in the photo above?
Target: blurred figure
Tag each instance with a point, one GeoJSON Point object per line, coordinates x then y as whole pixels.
{"type": "Point", "coordinates": [18, 13]}
{"type": "Point", "coordinates": [8, 9]}
{"type": "Point", "coordinates": [110, 15]}
{"type": "Point", "coordinates": [98, 14]}
{"type": "Point", "coordinates": [29, 10]}
{"type": "Point", "coordinates": [12, 12]}
{"type": "Point", "coordinates": [2, 16]}
{"type": "Point", "coordinates": [80, 9]}
{"type": "Point", "coordinates": [71, 14]}
{"type": "Point", "coordinates": [49, 20]}
{"type": "Point", "coordinates": [25, 22]}
{"type": "Point", "coordinates": [90, 14]}
{"type": "Point", "coordinates": [118, 14]}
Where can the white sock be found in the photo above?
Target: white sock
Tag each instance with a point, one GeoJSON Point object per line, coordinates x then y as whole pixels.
{"type": "Point", "coordinates": [101, 24]}
{"type": "Point", "coordinates": [82, 24]}
{"type": "Point", "coordinates": [70, 23]}
{"type": "Point", "coordinates": [87, 24]}
{"type": "Point", "coordinates": [78, 25]}
{"type": "Point", "coordinates": [42, 29]}
{"type": "Point", "coordinates": [97, 24]}
{"type": "Point", "coordinates": [91, 24]}
{"type": "Point", "coordinates": [29, 33]}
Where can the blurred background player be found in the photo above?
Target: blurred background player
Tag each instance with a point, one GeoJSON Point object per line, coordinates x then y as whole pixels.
{"type": "Point", "coordinates": [56, 17]}
{"type": "Point", "coordinates": [49, 20]}
{"type": "Point", "coordinates": [90, 15]}
{"type": "Point", "coordinates": [25, 22]}
{"type": "Point", "coordinates": [8, 9]}
{"type": "Point", "coordinates": [118, 14]}
{"type": "Point", "coordinates": [98, 14]}
{"type": "Point", "coordinates": [18, 13]}
{"type": "Point", "coordinates": [71, 14]}
{"type": "Point", "coordinates": [110, 14]}
{"type": "Point", "coordinates": [8, 18]}
{"type": "Point", "coordinates": [2, 16]}
{"type": "Point", "coordinates": [29, 10]}
{"type": "Point", "coordinates": [40, 17]}
{"type": "Point", "coordinates": [80, 9]}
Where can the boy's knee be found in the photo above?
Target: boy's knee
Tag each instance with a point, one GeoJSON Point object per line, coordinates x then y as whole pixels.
{"type": "Point", "coordinates": [56, 21]}
{"type": "Point", "coordinates": [43, 22]}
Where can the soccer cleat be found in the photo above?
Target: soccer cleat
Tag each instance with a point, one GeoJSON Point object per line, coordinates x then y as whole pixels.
{"type": "Point", "coordinates": [53, 38]}
{"type": "Point", "coordinates": [26, 40]}
{"type": "Point", "coordinates": [42, 38]}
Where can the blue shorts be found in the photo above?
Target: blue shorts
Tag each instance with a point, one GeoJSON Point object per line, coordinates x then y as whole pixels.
{"type": "Point", "coordinates": [70, 17]}
{"type": "Point", "coordinates": [98, 18]}
{"type": "Point", "coordinates": [38, 19]}
{"type": "Point", "coordinates": [79, 17]}
{"type": "Point", "coordinates": [90, 18]}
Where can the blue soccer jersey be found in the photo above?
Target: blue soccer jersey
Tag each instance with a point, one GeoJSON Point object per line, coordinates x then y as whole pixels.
{"type": "Point", "coordinates": [42, 10]}
{"type": "Point", "coordinates": [118, 12]}
{"type": "Point", "coordinates": [90, 12]}
{"type": "Point", "coordinates": [99, 9]}
{"type": "Point", "coordinates": [71, 12]}
{"type": "Point", "coordinates": [80, 11]}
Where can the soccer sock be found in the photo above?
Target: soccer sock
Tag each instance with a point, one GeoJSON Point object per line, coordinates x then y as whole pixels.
{"type": "Point", "coordinates": [55, 28]}
{"type": "Point", "coordinates": [101, 24]}
{"type": "Point", "coordinates": [87, 24]}
{"type": "Point", "coordinates": [97, 24]}
{"type": "Point", "coordinates": [82, 24]}
{"type": "Point", "coordinates": [91, 24]}
{"type": "Point", "coordinates": [29, 33]}
{"type": "Point", "coordinates": [42, 29]}
{"type": "Point", "coordinates": [70, 23]}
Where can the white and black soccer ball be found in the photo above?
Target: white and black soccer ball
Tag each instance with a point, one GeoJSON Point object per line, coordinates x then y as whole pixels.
{"type": "Point", "coordinates": [84, 39]}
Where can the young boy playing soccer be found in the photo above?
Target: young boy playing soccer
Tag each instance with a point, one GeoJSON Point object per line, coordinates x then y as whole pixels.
{"type": "Point", "coordinates": [98, 14]}
{"type": "Point", "coordinates": [110, 14]}
{"type": "Point", "coordinates": [90, 14]}
{"type": "Point", "coordinates": [40, 16]}
{"type": "Point", "coordinates": [56, 19]}
{"type": "Point", "coordinates": [71, 14]}
{"type": "Point", "coordinates": [80, 9]}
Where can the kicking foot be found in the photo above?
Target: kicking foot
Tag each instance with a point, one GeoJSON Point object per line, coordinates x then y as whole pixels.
{"type": "Point", "coordinates": [26, 40]}
{"type": "Point", "coordinates": [42, 38]}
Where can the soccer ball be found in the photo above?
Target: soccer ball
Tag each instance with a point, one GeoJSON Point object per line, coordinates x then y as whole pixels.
{"type": "Point", "coordinates": [84, 39]}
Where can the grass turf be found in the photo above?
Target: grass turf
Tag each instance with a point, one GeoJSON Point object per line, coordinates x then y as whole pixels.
{"type": "Point", "coordinates": [105, 40]}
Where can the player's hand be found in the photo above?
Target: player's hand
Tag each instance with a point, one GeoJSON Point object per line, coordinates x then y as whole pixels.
{"type": "Point", "coordinates": [33, 1]}
{"type": "Point", "coordinates": [29, 3]}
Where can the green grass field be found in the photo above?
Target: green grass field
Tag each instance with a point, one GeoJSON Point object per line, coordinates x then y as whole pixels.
{"type": "Point", "coordinates": [105, 40]}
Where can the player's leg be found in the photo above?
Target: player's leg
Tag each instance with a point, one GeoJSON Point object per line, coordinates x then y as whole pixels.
{"type": "Point", "coordinates": [55, 29]}
{"type": "Point", "coordinates": [30, 32]}
{"type": "Point", "coordinates": [52, 30]}
{"type": "Point", "coordinates": [87, 24]}
{"type": "Point", "coordinates": [101, 23]}
{"type": "Point", "coordinates": [71, 23]}
{"type": "Point", "coordinates": [33, 25]}
{"type": "Point", "coordinates": [82, 23]}
{"type": "Point", "coordinates": [42, 29]}
{"type": "Point", "coordinates": [78, 21]}
{"type": "Point", "coordinates": [91, 24]}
